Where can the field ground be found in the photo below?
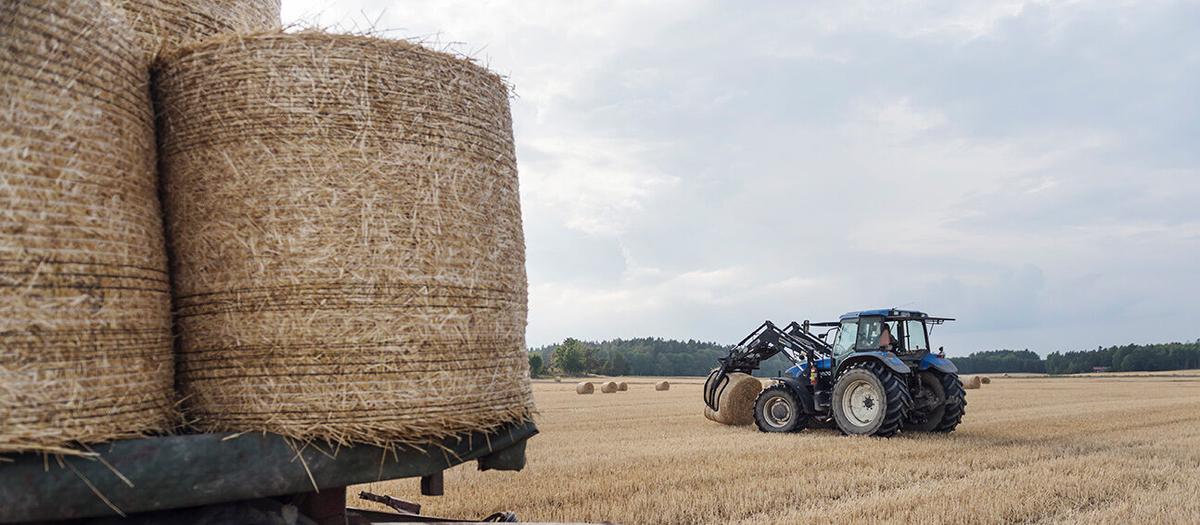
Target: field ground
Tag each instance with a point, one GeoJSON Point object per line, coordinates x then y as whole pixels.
{"type": "Point", "coordinates": [1084, 450]}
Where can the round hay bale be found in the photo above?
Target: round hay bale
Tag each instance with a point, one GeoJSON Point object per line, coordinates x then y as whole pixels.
{"type": "Point", "coordinates": [609, 387]}
{"type": "Point", "coordinates": [163, 25]}
{"type": "Point", "coordinates": [662, 386]}
{"type": "Point", "coordinates": [349, 259]}
{"type": "Point", "coordinates": [85, 339]}
{"type": "Point", "coordinates": [710, 415]}
{"type": "Point", "coordinates": [735, 406]}
{"type": "Point", "coordinates": [622, 386]}
{"type": "Point", "coordinates": [985, 379]}
{"type": "Point", "coordinates": [585, 388]}
{"type": "Point", "coordinates": [972, 383]}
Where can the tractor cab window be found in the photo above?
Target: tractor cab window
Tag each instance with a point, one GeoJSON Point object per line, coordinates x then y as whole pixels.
{"type": "Point", "coordinates": [846, 335]}
{"type": "Point", "coordinates": [868, 333]}
{"type": "Point", "coordinates": [914, 336]}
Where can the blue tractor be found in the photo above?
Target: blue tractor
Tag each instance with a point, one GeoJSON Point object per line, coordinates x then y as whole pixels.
{"type": "Point", "coordinates": [869, 373]}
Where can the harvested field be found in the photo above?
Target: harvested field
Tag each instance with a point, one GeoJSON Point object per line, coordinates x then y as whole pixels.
{"type": "Point", "coordinates": [1116, 449]}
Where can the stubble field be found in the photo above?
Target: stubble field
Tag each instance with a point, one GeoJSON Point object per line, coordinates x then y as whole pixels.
{"type": "Point", "coordinates": [1118, 449]}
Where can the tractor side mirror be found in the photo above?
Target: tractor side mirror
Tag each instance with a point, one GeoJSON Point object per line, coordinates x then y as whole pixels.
{"type": "Point", "coordinates": [941, 351]}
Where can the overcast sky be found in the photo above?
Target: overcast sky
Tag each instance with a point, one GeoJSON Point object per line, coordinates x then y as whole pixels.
{"type": "Point", "coordinates": [690, 168]}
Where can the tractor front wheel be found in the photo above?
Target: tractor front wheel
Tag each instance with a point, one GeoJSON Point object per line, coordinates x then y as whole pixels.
{"type": "Point", "coordinates": [778, 410]}
{"type": "Point", "coordinates": [869, 400]}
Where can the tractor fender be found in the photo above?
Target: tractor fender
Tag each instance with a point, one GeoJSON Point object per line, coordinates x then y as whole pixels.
{"type": "Point", "coordinates": [887, 358]}
{"type": "Point", "coordinates": [800, 388]}
{"type": "Point", "coordinates": [941, 364]}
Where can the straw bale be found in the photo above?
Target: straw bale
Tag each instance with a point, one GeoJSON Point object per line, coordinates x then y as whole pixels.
{"type": "Point", "coordinates": [585, 388]}
{"type": "Point", "coordinates": [609, 387]}
{"type": "Point", "coordinates": [735, 406]}
{"type": "Point", "coordinates": [622, 386]}
{"type": "Point", "coordinates": [662, 386]}
{"type": "Point", "coordinates": [85, 344]}
{"type": "Point", "coordinates": [170, 24]}
{"type": "Point", "coordinates": [985, 379]}
{"type": "Point", "coordinates": [972, 383]}
{"type": "Point", "coordinates": [346, 230]}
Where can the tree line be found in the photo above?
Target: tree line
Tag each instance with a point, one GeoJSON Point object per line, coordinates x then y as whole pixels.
{"type": "Point", "coordinates": [655, 356]}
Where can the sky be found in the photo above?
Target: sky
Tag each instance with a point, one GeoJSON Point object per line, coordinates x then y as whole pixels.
{"type": "Point", "coordinates": [691, 168]}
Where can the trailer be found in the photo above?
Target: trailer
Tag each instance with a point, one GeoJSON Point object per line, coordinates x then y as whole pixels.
{"type": "Point", "coordinates": [248, 478]}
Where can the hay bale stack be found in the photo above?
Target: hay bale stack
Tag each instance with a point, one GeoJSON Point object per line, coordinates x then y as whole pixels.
{"type": "Point", "coordinates": [349, 259]}
{"type": "Point", "coordinates": [609, 387]}
{"type": "Point", "coordinates": [622, 386]}
{"type": "Point", "coordinates": [735, 406]}
{"type": "Point", "coordinates": [585, 388]}
{"type": "Point", "coordinates": [85, 343]}
{"type": "Point", "coordinates": [662, 386]}
{"type": "Point", "coordinates": [972, 383]}
{"type": "Point", "coordinates": [163, 25]}
{"type": "Point", "coordinates": [985, 379]}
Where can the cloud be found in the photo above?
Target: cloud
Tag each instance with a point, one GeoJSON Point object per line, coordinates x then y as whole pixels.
{"type": "Point", "coordinates": [691, 168]}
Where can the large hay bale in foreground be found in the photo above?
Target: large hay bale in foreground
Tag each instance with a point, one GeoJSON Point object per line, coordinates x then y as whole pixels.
{"type": "Point", "coordinates": [972, 383]}
{"type": "Point", "coordinates": [85, 342]}
{"type": "Point", "coordinates": [346, 228]}
{"type": "Point", "coordinates": [609, 387]}
{"type": "Point", "coordinates": [662, 386]}
{"type": "Point", "coordinates": [622, 386]}
{"type": "Point", "coordinates": [585, 388]}
{"type": "Point", "coordinates": [170, 24]}
{"type": "Point", "coordinates": [735, 405]}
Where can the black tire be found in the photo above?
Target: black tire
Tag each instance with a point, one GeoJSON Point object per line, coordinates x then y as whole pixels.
{"type": "Point", "coordinates": [929, 404]}
{"type": "Point", "coordinates": [895, 397]}
{"type": "Point", "coordinates": [956, 403]}
{"type": "Point", "coordinates": [777, 409]}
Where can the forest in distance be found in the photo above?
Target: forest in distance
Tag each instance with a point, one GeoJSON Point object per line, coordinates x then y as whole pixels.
{"type": "Point", "coordinates": [653, 356]}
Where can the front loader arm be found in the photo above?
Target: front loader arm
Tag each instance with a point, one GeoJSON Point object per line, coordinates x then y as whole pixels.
{"type": "Point", "coordinates": [762, 344]}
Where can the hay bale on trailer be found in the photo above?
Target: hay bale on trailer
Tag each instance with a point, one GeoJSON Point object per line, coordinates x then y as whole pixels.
{"type": "Point", "coordinates": [170, 24]}
{"type": "Point", "coordinates": [662, 386]}
{"type": "Point", "coordinates": [349, 260]}
{"type": "Point", "coordinates": [585, 388]}
{"type": "Point", "coordinates": [622, 386]}
{"type": "Point", "coordinates": [85, 335]}
{"type": "Point", "coordinates": [609, 387]}
{"type": "Point", "coordinates": [735, 405]}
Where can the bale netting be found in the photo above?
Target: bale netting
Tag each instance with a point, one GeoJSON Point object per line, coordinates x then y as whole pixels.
{"type": "Point", "coordinates": [170, 24]}
{"type": "Point", "coordinates": [735, 404]}
{"type": "Point", "coordinates": [622, 386]}
{"type": "Point", "coordinates": [85, 342]}
{"type": "Point", "coordinates": [609, 387]}
{"type": "Point", "coordinates": [346, 230]}
{"type": "Point", "coordinates": [585, 388]}
{"type": "Point", "coordinates": [662, 386]}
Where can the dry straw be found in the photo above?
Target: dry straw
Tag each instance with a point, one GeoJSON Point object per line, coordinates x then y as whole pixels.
{"type": "Point", "coordinates": [609, 387]}
{"type": "Point", "coordinates": [622, 386]}
{"type": "Point", "coordinates": [662, 386]}
{"type": "Point", "coordinates": [736, 402]}
{"type": "Point", "coordinates": [346, 231]}
{"type": "Point", "coordinates": [585, 388]}
{"type": "Point", "coordinates": [85, 349]}
{"type": "Point", "coordinates": [170, 24]}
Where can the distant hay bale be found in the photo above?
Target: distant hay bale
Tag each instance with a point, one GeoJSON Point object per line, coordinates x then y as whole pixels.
{"type": "Point", "coordinates": [622, 386]}
{"type": "Point", "coordinates": [1006, 375]}
{"type": "Point", "coordinates": [985, 379]}
{"type": "Point", "coordinates": [585, 388]}
{"type": "Point", "coordinates": [609, 387]}
{"type": "Point", "coordinates": [735, 406]}
{"type": "Point", "coordinates": [85, 333]}
{"type": "Point", "coordinates": [162, 25]}
{"type": "Point", "coordinates": [972, 383]}
{"type": "Point", "coordinates": [662, 386]}
{"type": "Point", "coordinates": [345, 219]}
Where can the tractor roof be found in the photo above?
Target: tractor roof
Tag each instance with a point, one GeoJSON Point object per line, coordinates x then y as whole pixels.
{"type": "Point", "coordinates": [893, 313]}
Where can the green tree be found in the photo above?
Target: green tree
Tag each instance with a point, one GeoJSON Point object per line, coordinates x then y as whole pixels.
{"type": "Point", "coordinates": [535, 365]}
{"type": "Point", "coordinates": [570, 356]}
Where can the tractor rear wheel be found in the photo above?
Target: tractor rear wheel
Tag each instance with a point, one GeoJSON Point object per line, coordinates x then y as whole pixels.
{"type": "Point", "coordinates": [869, 400]}
{"type": "Point", "coordinates": [778, 410]}
{"type": "Point", "coordinates": [956, 403]}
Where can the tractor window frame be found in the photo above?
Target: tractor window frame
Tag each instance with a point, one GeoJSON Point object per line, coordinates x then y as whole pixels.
{"type": "Point", "coordinates": [842, 345]}
{"type": "Point", "coordinates": [908, 324]}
